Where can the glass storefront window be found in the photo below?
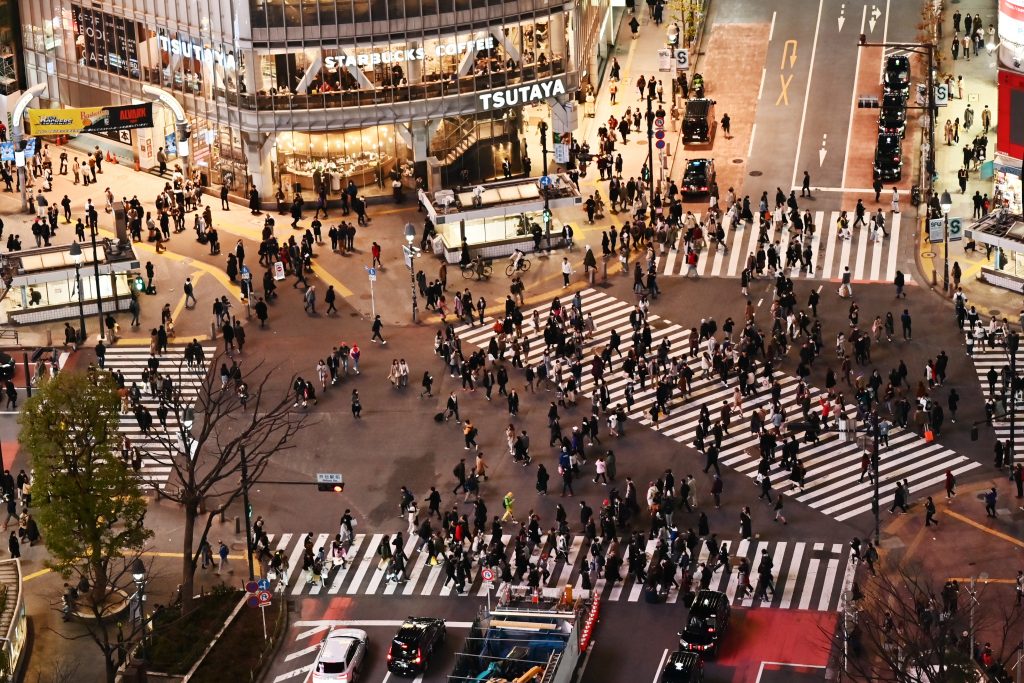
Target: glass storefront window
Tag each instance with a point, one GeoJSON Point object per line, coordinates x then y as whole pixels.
{"type": "Point", "coordinates": [370, 158]}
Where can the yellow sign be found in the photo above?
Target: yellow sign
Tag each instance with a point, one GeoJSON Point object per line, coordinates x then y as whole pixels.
{"type": "Point", "coordinates": [89, 120]}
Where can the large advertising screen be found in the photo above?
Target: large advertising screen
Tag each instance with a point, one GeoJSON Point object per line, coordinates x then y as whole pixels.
{"type": "Point", "coordinates": [1011, 21]}
{"type": "Point", "coordinates": [1010, 132]}
{"type": "Point", "coordinates": [104, 41]}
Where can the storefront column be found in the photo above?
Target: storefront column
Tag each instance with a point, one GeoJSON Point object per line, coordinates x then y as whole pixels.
{"type": "Point", "coordinates": [315, 62]}
{"type": "Point", "coordinates": [556, 35]}
{"type": "Point", "coordinates": [417, 136]}
{"type": "Point", "coordinates": [414, 68]}
{"type": "Point", "coordinates": [252, 77]}
{"type": "Point", "coordinates": [511, 49]}
{"type": "Point", "coordinates": [469, 59]}
{"type": "Point", "coordinates": [259, 148]}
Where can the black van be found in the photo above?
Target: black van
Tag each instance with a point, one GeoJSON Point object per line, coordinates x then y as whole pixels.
{"type": "Point", "coordinates": [708, 622]}
{"type": "Point", "coordinates": [698, 120]}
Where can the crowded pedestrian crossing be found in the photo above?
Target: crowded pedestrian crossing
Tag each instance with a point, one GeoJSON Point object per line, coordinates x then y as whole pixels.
{"type": "Point", "coordinates": [158, 447]}
{"type": "Point", "coordinates": [869, 259]}
{"type": "Point", "coordinates": [806, 575]}
{"type": "Point", "coordinates": [834, 484]}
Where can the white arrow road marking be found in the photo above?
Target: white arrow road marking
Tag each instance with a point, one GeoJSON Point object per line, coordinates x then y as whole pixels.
{"type": "Point", "coordinates": [842, 16]}
{"type": "Point", "coordinates": [822, 152]}
{"type": "Point", "coordinates": [875, 13]}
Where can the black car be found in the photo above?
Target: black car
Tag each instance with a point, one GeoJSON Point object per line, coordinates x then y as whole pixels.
{"type": "Point", "coordinates": [698, 176]}
{"type": "Point", "coordinates": [708, 622]}
{"type": "Point", "coordinates": [683, 667]}
{"type": "Point", "coordinates": [888, 158]}
{"type": "Point", "coordinates": [892, 100]}
{"type": "Point", "coordinates": [414, 645]}
{"type": "Point", "coordinates": [896, 77]}
{"type": "Point", "coordinates": [892, 121]}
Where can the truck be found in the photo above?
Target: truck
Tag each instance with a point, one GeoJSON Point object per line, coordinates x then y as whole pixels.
{"type": "Point", "coordinates": [528, 637]}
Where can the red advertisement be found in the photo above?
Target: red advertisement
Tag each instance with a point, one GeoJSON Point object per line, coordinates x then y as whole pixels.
{"type": "Point", "coordinates": [1010, 138]}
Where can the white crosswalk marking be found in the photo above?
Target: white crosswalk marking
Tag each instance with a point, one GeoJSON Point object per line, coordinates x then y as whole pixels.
{"type": "Point", "coordinates": [796, 572]}
{"type": "Point", "coordinates": [997, 359]}
{"type": "Point", "coordinates": [157, 451]}
{"type": "Point", "coordinates": [869, 260]}
{"type": "Point", "coordinates": [833, 464]}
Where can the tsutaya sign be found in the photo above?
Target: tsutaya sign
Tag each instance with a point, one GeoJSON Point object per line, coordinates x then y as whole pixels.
{"type": "Point", "coordinates": [186, 48]}
{"type": "Point", "coordinates": [413, 54]}
{"type": "Point", "coordinates": [524, 94]}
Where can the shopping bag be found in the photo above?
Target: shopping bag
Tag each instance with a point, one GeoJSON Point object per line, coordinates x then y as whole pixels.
{"type": "Point", "coordinates": [929, 435]}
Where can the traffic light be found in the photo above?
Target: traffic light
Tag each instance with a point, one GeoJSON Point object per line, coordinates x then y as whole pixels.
{"type": "Point", "coordinates": [547, 216]}
{"type": "Point", "coordinates": [140, 284]}
{"type": "Point", "coordinates": [329, 482]}
{"type": "Point", "coordinates": [543, 126]}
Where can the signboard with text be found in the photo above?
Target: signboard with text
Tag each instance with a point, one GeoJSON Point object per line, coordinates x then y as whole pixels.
{"type": "Point", "coordinates": [90, 119]}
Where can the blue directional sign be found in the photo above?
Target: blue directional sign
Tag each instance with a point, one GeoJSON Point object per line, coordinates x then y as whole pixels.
{"type": "Point", "coordinates": [264, 584]}
{"type": "Point", "coordinates": [545, 181]}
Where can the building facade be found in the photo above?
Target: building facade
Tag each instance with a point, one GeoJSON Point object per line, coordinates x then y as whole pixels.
{"type": "Point", "coordinates": [313, 93]}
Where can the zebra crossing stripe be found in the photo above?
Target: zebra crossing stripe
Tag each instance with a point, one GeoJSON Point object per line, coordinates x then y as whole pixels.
{"type": "Point", "coordinates": [791, 576]}
{"type": "Point", "coordinates": [831, 573]}
{"type": "Point", "coordinates": [339, 576]}
{"type": "Point", "coordinates": [371, 551]}
{"type": "Point", "coordinates": [830, 248]}
{"type": "Point", "coordinates": [410, 544]}
{"type": "Point", "coordinates": [894, 240]}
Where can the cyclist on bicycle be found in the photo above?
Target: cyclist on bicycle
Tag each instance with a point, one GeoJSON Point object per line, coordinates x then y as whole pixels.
{"type": "Point", "coordinates": [516, 259]}
{"type": "Point", "coordinates": [478, 266]}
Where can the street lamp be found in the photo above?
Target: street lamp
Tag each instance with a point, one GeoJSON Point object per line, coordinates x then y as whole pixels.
{"type": "Point", "coordinates": [138, 570]}
{"type": "Point", "coordinates": [188, 418]}
{"type": "Point", "coordinates": [650, 149]}
{"type": "Point", "coordinates": [410, 235]}
{"type": "Point", "coordinates": [945, 203]}
{"type": "Point", "coordinates": [96, 277]}
{"type": "Point", "coordinates": [76, 256]}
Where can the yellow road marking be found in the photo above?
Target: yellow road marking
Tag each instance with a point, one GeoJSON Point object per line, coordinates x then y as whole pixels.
{"type": "Point", "coordinates": [987, 530]}
{"type": "Point", "coordinates": [151, 553]}
{"type": "Point", "coordinates": [181, 302]}
{"type": "Point", "coordinates": [339, 288]}
{"type": "Point", "coordinates": [785, 53]}
{"type": "Point", "coordinates": [783, 95]}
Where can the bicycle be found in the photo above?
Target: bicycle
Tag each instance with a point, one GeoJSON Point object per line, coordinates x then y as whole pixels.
{"type": "Point", "coordinates": [478, 269]}
{"type": "Point", "coordinates": [524, 265]}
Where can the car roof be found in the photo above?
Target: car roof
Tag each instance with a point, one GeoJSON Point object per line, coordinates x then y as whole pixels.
{"type": "Point", "coordinates": [413, 627]}
{"type": "Point", "coordinates": [706, 602]}
{"type": "Point", "coordinates": [697, 163]}
{"type": "Point", "coordinates": [681, 659]}
{"type": "Point", "coordinates": [338, 643]}
{"type": "Point", "coordinates": [886, 139]}
{"type": "Point", "coordinates": [897, 62]}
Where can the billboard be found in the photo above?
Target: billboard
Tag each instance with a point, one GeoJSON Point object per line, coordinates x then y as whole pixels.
{"type": "Point", "coordinates": [1010, 137]}
{"type": "Point", "coordinates": [89, 119]}
{"type": "Point", "coordinates": [1011, 21]}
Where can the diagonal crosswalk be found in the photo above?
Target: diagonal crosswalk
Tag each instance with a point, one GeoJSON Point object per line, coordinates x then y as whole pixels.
{"type": "Point", "coordinates": [833, 484]}
{"type": "Point", "coordinates": [869, 260]}
{"type": "Point", "coordinates": [807, 575]}
{"type": "Point", "coordinates": [157, 451]}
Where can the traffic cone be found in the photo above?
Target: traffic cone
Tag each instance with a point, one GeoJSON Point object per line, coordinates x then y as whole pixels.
{"type": "Point", "coordinates": [110, 159]}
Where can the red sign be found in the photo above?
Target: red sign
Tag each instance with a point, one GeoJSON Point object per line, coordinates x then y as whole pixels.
{"type": "Point", "coordinates": [1014, 9]}
{"type": "Point", "coordinates": [1010, 137]}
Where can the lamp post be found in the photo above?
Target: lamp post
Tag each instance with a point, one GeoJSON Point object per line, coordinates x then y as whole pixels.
{"type": "Point", "coordinates": [76, 256]}
{"type": "Point", "coordinates": [1012, 344]}
{"type": "Point", "coordinates": [876, 503]}
{"type": "Point", "coordinates": [650, 149]}
{"type": "Point", "coordinates": [96, 276]}
{"type": "Point", "coordinates": [246, 512]}
{"type": "Point", "coordinates": [945, 204]}
{"type": "Point", "coordinates": [543, 127]}
{"type": "Point", "coordinates": [410, 235]}
{"type": "Point", "coordinates": [138, 570]}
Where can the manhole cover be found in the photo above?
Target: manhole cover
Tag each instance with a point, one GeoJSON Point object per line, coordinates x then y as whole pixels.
{"type": "Point", "coordinates": [755, 173]}
{"type": "Point", "coordinates": [660, 324]}
{"type": "Point", "coordinates": [995, 312]}
{"type": "Point", "coordinates": [737, 161]}
{"type": "Point", "coordinates": [364, 297]}
{"type": "Point", "coordinates": [928, 254]}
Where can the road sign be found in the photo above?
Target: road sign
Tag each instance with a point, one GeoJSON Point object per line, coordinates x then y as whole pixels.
{"type": "Point", "coordinates": [545, 181]}
{"type": "Point", "coordinates": [660, 144]}
{"type": "Point", "coordinates": [660, 135]}
{"type": "Point", "coordinates": [665, 59]}
{"type": "Point", "coordinates": [487, 574]}
{"type": "Point", "coordinates": [263, 598]}
{"type": "Point", "coordinates": [264, 584]}
{"type": "Point", "coordinates": [278, 270]}
{"type": "Point", "coordinates": [941, 95]}
{"type": "Point", "coordinates": [372, 272]}
{"type": "Point", "coordinates": [329, 478]}
{"type": "Point", "coordinates": [935, 226]}
{"type": "Point", "coordinates": [659, 122]}
{"type": "Point", "coordinates": [956, 229]}
{"type": "Point", "coordinates": [252, 601]}
{"type": "Point", "coordinates": [251, 586]}
{"type": "Point", "coordinates": [682, 59]}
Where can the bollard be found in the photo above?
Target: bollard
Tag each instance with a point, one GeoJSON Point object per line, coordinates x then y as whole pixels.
{"type": "Point", "coordinates": [222, 516]}
{"type": "Point", "coordinates": [604, 271]}
{"type": "Point", "coordinates": [213, 330]}
{"type": "Point", "coordinates": [935, 278]}
{"type": "Point", "coordinates": [238, 525]}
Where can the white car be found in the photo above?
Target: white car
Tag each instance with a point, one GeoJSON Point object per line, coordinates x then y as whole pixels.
{"type": "Point", "coordinates": [340, 657]}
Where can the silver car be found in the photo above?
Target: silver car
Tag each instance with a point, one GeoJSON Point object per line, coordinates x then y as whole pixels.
{"type": "Point", "coordinates": [340, 657]}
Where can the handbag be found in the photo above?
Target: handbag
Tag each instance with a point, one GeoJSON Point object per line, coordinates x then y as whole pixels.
{"type": "Point", "coordinates": [929, 435]}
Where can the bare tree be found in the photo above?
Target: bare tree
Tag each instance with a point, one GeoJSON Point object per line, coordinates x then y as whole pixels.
{"type": "Point", "coordinates": [207, 439]}
{"type": "Point", "coordinates": [907, 628]}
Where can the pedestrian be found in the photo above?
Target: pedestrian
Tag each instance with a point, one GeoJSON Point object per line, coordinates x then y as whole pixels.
{"type": "Point", "coordinates": [805, 188]}
{"type": "Point", "coordinates": [14, 546]}
{"type": "Point", "coordinates": [990, 502]}
{"type": "Point", "coordinates": [357, 406]}
{"type": "Point", "coordinates": [376, 328]}
{"type": "Point", "coordinates": [929, 512]}
{"type": "Point", "coordinates": [726, 126]}
{"type": "Point", "coordinates": [309, 300]}
{"type": "Point", "coordinates": [506, 503]}
{"type": "Point", "coordinates": [895, 200]}
{"type": "Point", "coordinates": [329, 298]}
{"type": "Point", "coordinates": [566, 270]}
{"type": "Point", "coordinates": [189, 293]}
{"type": "Point", "coordinates": [222, 553]}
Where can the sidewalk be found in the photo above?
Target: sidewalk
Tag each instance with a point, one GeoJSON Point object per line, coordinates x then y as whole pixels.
{"type": "Point", "coordinates": [979, 89]}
